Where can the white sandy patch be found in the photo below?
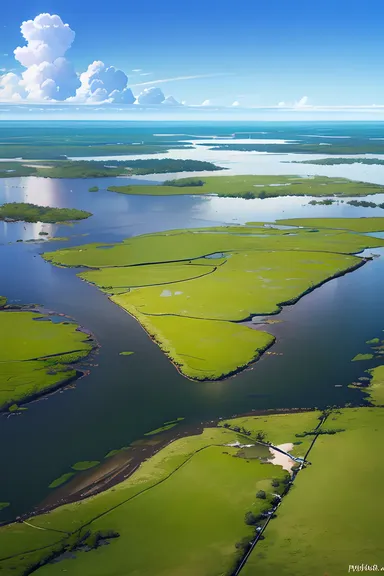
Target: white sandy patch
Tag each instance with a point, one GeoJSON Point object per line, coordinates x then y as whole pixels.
{"type": "Point", "coordinates": [281, 459]}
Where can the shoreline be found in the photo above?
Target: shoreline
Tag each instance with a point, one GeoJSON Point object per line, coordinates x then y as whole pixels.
{"type": "Point", "coordinates": [262, 351]}
{"type": "Point", "coordinates": [62, 384]}
{"type": "Point", "coordinates": [68, 493]}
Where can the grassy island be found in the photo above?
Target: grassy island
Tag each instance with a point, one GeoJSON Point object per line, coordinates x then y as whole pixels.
{"type": "Point", "coordinates": [102, 168]}
{"type": "Point", "coordinates": [338, 161]}
{"type": "Point", "coordinates": [207, 498]}
{"type": "Point", "coordinates": [26, 212]}
{"type": "Point", "coordinates": [36, 355]}
{"type": "Point", "coordinates": [250, 187]}
{"type": "Point", "coordinates": [192, 304]}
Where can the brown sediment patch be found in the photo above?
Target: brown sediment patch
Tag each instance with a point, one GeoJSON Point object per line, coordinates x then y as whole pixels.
{"type": "Point", "coordinates": [281, 459]}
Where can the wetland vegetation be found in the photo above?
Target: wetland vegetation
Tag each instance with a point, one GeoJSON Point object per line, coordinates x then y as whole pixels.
{"type": "Point", "coordinates": [37, 356]}
{"type": "Point", "coordinates": [209, 499]}
{"type": "Point", "coordinates": [186, 295]}
{"type": "Point", "coordinates": [250, 187]}
{"type": "Point", "coordinates": [206, 494]}
{"type": "Point", "coordinates": [337, 528]}
{"type": "Point", "coordinates": [102, 168]}
{"type": "Point", "coordinates": [15, 211]}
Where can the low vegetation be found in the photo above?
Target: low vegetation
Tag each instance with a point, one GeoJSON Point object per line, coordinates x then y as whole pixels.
{"type": "Point", "coordinates": [102, 168]}
{"type": "Point", "coordinates": [191, 305]}
{"type": "Point", "coordinates": [322, 525]}
{"type": "Point", "coordinates": [26, 212]}
{"type": "Point", "coordinates": [206, 493]}
{"type": "Point", "coordinates": [353, 224]}
{"type": "Point", "coordinates": [36, 356]}
{"type": "Point", "coordinates": [337, 161]}
{"type": "Point", "coordinates": [376, 386]}
{"type": "Point", "coordinates": [203, 494]}
{"type": "Point", "coordinates": [255, 187]}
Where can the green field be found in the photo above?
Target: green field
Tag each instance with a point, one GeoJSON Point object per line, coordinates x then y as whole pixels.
{"type": "Point", "coordinates": [333, 517]}
{"type": "Point", "coordinates": [376, 386]}
{"type": "Point", "coordinates": [193, 495]}
{"type": "Point", "coordinates": [36, 355]}
{"type": "Point", "coordinates": [257, 187]}
{"type": "Point", "coordinates": [32, 213]}
{"type": "Point", "coordinates": [191, 304]}
{"type": "Point", "coordinates": [371, 224]}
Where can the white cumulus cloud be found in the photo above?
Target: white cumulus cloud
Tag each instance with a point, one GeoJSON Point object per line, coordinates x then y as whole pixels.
{"type": "Point", "coordinates": [206, 103]}
{"type": "Point", "coordinates": [48, 75]}
{"type": "Point", "coordinates": [151, 96]}
{"type": "Point", "coordinates": [236, 103]}
{"type": "Point", "coordinates": [47, 38]}
{"type": "Point", "coordinates": [100, 83]}
{"type": "Point", "coordinates": [10, 89]}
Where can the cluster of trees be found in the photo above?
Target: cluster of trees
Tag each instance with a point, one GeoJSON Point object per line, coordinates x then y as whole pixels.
{"type": "Point", "coordinates": [184, 182]}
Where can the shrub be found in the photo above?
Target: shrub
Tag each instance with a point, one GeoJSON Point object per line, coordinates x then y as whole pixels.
{"type": "Point", "coordinates": [251, 519]}
{"type": "Point", "coordinates": [261, 494]}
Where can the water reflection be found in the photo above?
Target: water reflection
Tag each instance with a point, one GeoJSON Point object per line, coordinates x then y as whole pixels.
{"type": "Point", "coordinates": [124, 397]}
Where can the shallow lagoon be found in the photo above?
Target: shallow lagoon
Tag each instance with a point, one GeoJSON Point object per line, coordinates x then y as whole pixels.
{"type": "Point", "coordinates": [110, 408]}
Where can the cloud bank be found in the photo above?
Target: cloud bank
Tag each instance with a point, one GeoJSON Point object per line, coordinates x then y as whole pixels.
{"type": "Point", "coordinates": [50, 77]}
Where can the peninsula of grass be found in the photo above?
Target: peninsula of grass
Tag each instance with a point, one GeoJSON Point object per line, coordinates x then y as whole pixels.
{"type": "Point", "coordinates": [85, 465]}
{"type": "Point", "coordinates": [61, 480]}
{"type": "Point", "coordinates": [36, 357]}
{"type": "Point", "coordinates": [93, 189]}
{"type": "Point", "coordinates": [332, 518]}
{"type": "Point", "coordinates": [371, 224]}
{"type": "Point", "coordinates": [250, 187]}
{"type": "Point", "coordinates": [191, 304]}
{"type": "Point", "coordinates": [163, 428]}
{"type": "Point", "coordinates": [15, 211]}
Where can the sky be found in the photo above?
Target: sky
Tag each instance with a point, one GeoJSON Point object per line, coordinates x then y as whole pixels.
{"type": "Point", "coordinates": [300, 56]}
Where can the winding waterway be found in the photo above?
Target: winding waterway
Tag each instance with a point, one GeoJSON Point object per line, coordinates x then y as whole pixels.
{"type": "Point", "coordinates": [126, 396]}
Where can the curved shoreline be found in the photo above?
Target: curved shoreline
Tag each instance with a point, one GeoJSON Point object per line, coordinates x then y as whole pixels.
{"type": "Point", "coordinates": [260, 352]}
{"type": "Point", "coordinates": [80, 373]}
{"type": "Point", "coordinates": [67, 493]}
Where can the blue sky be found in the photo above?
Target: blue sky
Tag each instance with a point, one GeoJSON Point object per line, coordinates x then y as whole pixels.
{"type": "Point", "coordinates": [255, 52]}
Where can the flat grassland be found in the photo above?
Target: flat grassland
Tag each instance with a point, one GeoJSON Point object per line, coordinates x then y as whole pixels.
{"type": "Point", "coordinates": [32, 213]}
{"type": "Point", "coordinates": [190, 289]}
{"type": "Point", "coordinates": [256, 187]}
{"type": "Point", "coordinates": [376, 386]}
{"type": "Point", "coordinates": [371, 224]}
{"type": "Point", "coordinates": [36, 355]}
{"type": "Point", "coordinates": [333, 516]}
{"type": "Point", "coordinates": [181, 512]}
